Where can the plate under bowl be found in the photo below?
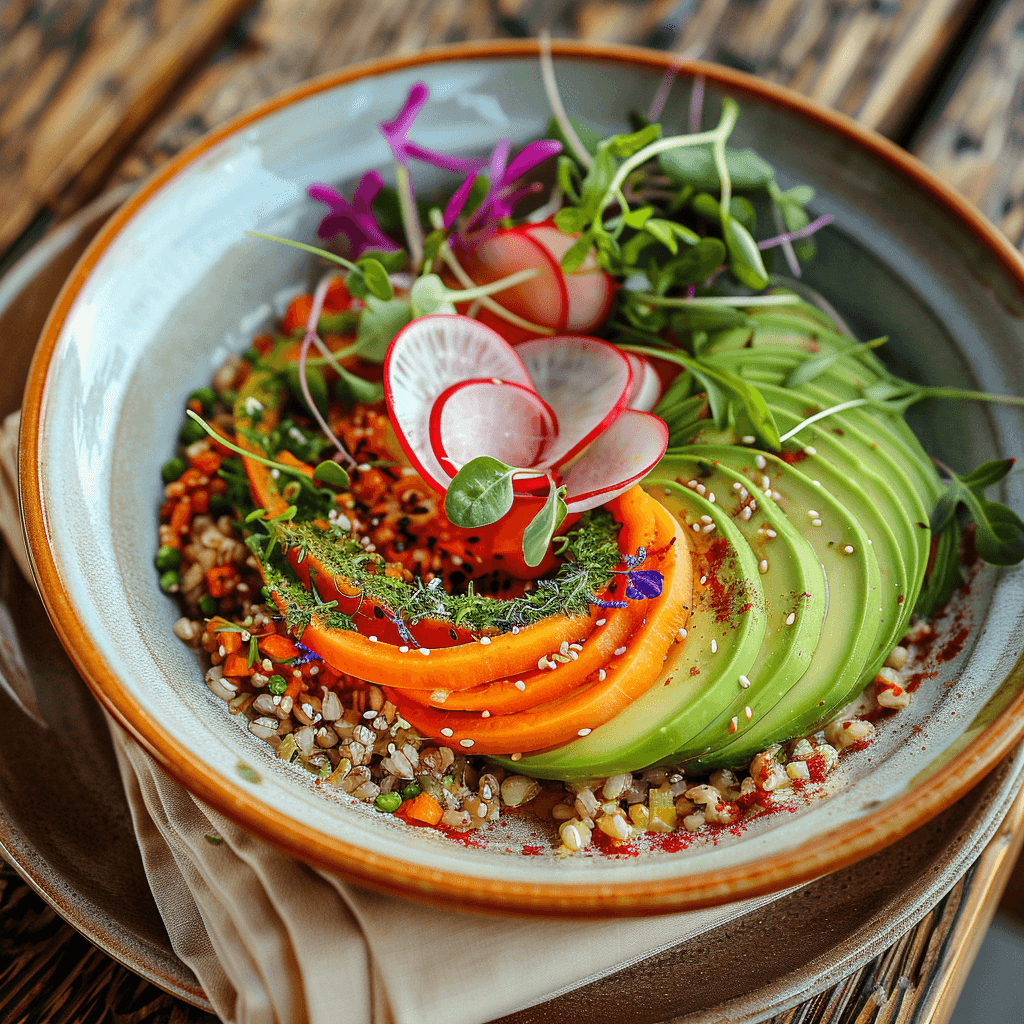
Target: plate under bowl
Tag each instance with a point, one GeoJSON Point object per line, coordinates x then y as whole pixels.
{"type": "Point", "coordinates": [172, 284]}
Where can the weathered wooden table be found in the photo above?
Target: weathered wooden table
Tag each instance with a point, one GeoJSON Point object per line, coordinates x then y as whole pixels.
{"type": "Point", "coordinates": [94, 93]}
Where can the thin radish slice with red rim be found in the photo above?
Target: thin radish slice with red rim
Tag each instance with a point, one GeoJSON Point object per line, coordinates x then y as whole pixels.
{"type": "Point", "coordinates": [646, 383]}
{"type": "Point", "coordinates": [426, 358]}
{"type": "Point", "coordinates": [491, 256]}
{"type": "Point", "coordinates": [589, 289]}
{"type": "Point", "coordinates": [506, 421]}
{"type": "Point", "coordinates": [587, 383]}
{"type": "Point", "coordinates": [626, 452]}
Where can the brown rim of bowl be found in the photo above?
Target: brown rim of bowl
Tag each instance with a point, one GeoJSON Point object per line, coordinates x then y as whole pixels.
{"type": "Point", "coordinates": [835, 849]}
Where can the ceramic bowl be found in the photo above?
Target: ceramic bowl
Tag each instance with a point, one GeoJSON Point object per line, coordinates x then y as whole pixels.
{"type": "Point", "coordinates": [172, 285]}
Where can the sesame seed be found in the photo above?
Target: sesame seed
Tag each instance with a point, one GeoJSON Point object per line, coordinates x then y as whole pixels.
{"type": "Point", "coordinates": [696, 527]}
{"type": "Point", "coordinates": [746, 514]}
{"type": "Point", "coordinates": [765, 482]}
{"type": "Point", "coordinates": [810, 451]}
{"type": "Point", "coordinates": [682, 634]}
{"type": "Point", "coordinates": [703, 580]}
{"type": "Point", "coordinates": [815, 522]}
{"type": "Point", "coordinates": [369, 714]}
{"type": "Point", "coordinates": [760, 462]}
{"type": "Point", "coordinates": [515, 630]}
{"type": "Point", "coordinates": [485, 714]}
{"type": "Point", "coordinates": [446, 732]}
{"type": "Point", "coordinates": [714, 646]}
{"type": "Point", "coordinates": [520, 685]}
{"type": "Point", "coordinates": [813, 513]}
{"type": "Point", "coordinates": [404, 650]}
{"type": "Point", "coordinates": [748, 439]}
{"type": "Point", "coordinates": [601, 675]}
{"type": "Point", "coordinates": [706, 519]}
{"type": "Point", "coordinates": [748, 712]}
{"type": "Point", "coordinates": [600, 622]}
{"type": "Point", "coordinates": [619, 650]}
{"type": "Point", "coordinates": [466, 743]}
{"type": "Point", "coordinates": [771, 533]}
{"type": "Point", "coordinates": [848, 549]}
{"type": "Point", "coordinates": [763, 566]}
{"type": "Point", "coordinates": [564, 647]}
{"type": "Point", "coordinates": [373, 639]}
{"type": "Point", "coordinates": [744, 682]}
{"type": "Point", "coordinates": [737, 485]}
{"type": "Point", "coordinates": [790, 618]}
{"type": "Point", "coordinates": [769, 493]}
{"type": "Point", "coordinates": [733, 724]}
{"type": "Point", "coordinates": [711, 497]}
{"type": "Point", "coordinates": [691, 483]}
{"type": "Point", "coordinates": [485, 640]}
{"type": "Point", "coordinates": [424, 650]}
{"type": "Point", "coordinates": [817, 483]}
{"type": "Point", "coordinates": [710, 528]}
{"type": "Point", "coordinates": [583, 732]}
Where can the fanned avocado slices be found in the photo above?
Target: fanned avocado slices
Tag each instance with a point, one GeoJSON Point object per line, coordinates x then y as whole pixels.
{"type": "Point", "coordinates": [850, 633]}
{"type": "Point", "coordinates": [794, 590]}
{"type": "Point", "coordinates": [701, 679]}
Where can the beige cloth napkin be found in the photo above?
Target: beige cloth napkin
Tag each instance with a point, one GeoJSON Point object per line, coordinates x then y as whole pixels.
{"type": "Point", "coordinates": [272, 940]}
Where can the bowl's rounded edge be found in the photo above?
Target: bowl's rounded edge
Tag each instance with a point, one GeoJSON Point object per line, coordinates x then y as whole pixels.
{"type": "Point", "coordinates": [842, 846]}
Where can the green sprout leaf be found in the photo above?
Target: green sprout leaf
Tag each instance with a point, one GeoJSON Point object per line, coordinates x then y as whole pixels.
{"type": "Point", "coordinates": [376, 279]}
{"type": "Point", "coordinates": [379, 324]}
{"type": "Point", "coordinates": [745, 260]}
{"type": "Point", "coordinates": [537, 535]}
{"type": "Point", "coordinates": [429, 295]}
{"type": "Point", "coordinates": [944, 576]}
{"type": "Point", "coordinates": [480, 494]}
{"type": "Point", "coordinates": [999, 531]}
{"type": "Point", "coordinates": [351, 389]}
{"type": "Point", "coordinates": [332, 474]}
{"type": "Point", "coordinates": [695, 166]}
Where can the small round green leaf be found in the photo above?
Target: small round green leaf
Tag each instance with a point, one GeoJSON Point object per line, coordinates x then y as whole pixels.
{"type": "Point", "coordinates": [480, 494]}
{"type": "Point", "coordinates": [332, 474]}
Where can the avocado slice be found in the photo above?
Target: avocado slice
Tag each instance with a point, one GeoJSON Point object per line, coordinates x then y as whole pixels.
{"type": "Point", "coordinates": [850, 632]}
{"type": "Point", "coordinates": [794, 586]}
{"type": "Point", "coordinates": [700, 680]}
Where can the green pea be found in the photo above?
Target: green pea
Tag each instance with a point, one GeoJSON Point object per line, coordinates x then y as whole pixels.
{"type": "Point", "coordinates": [388, 803]}
{"type": "Point", "coordinates": [448, 782]}
{"type": "Point", "coordinates": [220, 505]}
{"type": "Point", "coordinates": [191, 432]}
{"type": "Point", "coordinates": [411, 791]}
{"type": "Point", "coordinates": [173, 469]}
{"type": "Point", "coordinates": [169, 579]}
{"type": "Point", "coordinates": [208, 606]}
{"type": "Point", "coordinates": [277, 685]}
{"type": "Point", "coordinates": [206, 397]}
{"type": "Point", "coordinates": [167, 558]}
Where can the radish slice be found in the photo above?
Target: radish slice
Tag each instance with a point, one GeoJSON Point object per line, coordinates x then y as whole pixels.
{"type": "Point", "coordinates": [509, 422]}
{"type": "Point", "coordinates": [590, 290]}
{"type": "Point", "coordinates": [541, 300]}
{"type": "Point", "coordinates": [626, 452]}
{"type": "Point", "coordinates": [586, 382]}
{"type": "Point", "coordinates": [428, 356]}
{"type": "Point", "coordinates": [646, 383]}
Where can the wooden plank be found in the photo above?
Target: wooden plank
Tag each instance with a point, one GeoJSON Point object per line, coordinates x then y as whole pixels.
{"type": "Point", "coordinates": [976, 142]}
{"type": "Point", "coordinates": [77, 81]}
{"type": "Point", "coordinates": [868, 58]}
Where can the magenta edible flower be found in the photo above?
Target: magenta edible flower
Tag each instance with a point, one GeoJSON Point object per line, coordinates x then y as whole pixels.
{"type": "Point", "coordinates": [396, 135]}
{"type": "Point", "coordinates": [793, 236]}
{"type": "Point", "coordinates": [355, 219]}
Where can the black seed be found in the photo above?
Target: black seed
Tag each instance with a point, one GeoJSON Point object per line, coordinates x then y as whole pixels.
{"type": "Point", "coordinates": [378, 612]}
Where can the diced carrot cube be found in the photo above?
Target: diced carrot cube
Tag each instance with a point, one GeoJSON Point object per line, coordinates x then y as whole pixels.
{"type": "Point", "coordinates": [230, 640]}
{"type": "Point", "coordinates": [206, 462]}
{"type": "Point", "coordinates": [220, 580]}
{"type": "Point", "coordinates": [201, 501]}
{"type": "Point", "coordinates": [181, 517]}
{"type": "Point", "coordinates": [423, 808]}
{"type": "Point", "coordinates": [337, 297]}
{"type": "Point", "coordinates": [297, 314]}
{"type": "Point", "coordinates": [278, 648]}
{"type": "Point", "coordinates": [237, 665]}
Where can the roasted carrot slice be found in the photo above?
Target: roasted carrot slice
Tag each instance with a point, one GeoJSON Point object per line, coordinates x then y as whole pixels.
{"type": "Point", "coordinates": [629, 674]}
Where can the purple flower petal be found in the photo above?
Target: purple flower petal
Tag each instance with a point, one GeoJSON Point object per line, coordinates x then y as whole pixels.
{"type": "Point", "coordinates": [396, 130]}
{"type": "Point", "coordinates": [647, 583]}
{"type": "Point", "coordinates": [444, 162]}
{"type": "Point", "coordinates": [635, 561]}
{"type": "Point", "coordinates": [355, 220]}
{"type": "Point", "coordinates": [608, 604]}
{"type": "Point", "coordinates": [458, 201]}
{"type": "Point", "coordinates": [531, 155]}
